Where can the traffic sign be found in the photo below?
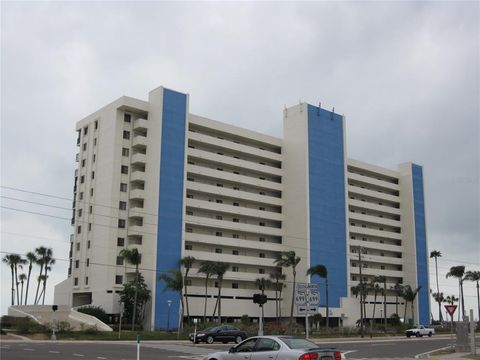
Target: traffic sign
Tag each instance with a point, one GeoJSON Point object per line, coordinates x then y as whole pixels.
{"type": "Point", "coordinates": [306, 310]}
{"type": "Point", "coordinates": [306, 294]}
{"type": "Point", "coordinates": [451, 309]}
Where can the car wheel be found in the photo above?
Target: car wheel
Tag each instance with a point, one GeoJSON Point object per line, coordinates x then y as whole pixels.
{"type": "Point", "coordinates": [417, 335]}
{"type": "Point", "coordinates": [408, 335]}
{"type": "Point", "coordinates": [238, 339]}
{"type": "Point", "coordinates": [210, 340]}
{"type": "Point", "coordinates": [430, 334]}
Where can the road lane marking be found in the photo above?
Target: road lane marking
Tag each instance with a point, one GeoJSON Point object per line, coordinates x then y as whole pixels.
{"type": "Point", "coordinates": [28, 349]}
{"type": "Point", "coordinates": [101, 357]}
{"type": "Point", "coordinates": [54, 352]}
{"type": "Point", "coordinates": [78, 355]}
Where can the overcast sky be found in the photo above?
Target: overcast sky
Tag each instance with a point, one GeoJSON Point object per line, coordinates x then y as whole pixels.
{"type": "Point", "coordinates": [406, 76]}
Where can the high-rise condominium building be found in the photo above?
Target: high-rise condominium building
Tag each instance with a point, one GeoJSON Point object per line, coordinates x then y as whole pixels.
{"type": "Point", "coordinates": [151, 175]}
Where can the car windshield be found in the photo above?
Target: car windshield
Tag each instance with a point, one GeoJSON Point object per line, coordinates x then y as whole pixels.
{"type": "Point", "coordinates": [212, 329]}
{"type": "Point", "coordinates": [294, 343]}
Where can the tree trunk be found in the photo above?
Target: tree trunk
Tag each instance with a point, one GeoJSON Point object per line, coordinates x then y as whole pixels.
{"type": "Point", "coordinates": [385, 303]}
{"type": "Point", "coordinates": [16, 285]}
{"type": "Point", "coordinates": [134, 312]}
{"type": "Point", "coordinates": [28, 282]}
{"type": "Point", "coordinates": [186, 296]}
{"type": "Point", "coordinates": [206, 296]}
{"type": "Point", "coordinates": [396, 304]}
{"type": "Point", "coordinates": [413, 314]}
{"type": "Point", "coordinates": [373, 313]}
{"type": "Point", "coordinates": [180, 326]}
{"type": "Point", "coordinates": [293, 300]}
{"type": "Point", "coordinates": [463, 301]}
{"type": "Point", "coordinates": [438, 293]}
{"type": "Point", "coordinates": [13, 284]}
{"type": "Point", "coordinates": [38, 284]}
{"type": "Point", "coordinates": [21, 295]}
{"type": "Point", "coordinates": [326, 293]}
{"type": "Point", "coordinates": [280, 304]}
{"type": "Point", "coordinates": [44, 286]}
{"type": "Point", "coordinates": [220, 301]}
{"type": "Point", "coordinates": [405, 313]}
{"type": "Point", "coordinates": [478, 302]}
{"type": "Point", "coordinates": [276, 301]}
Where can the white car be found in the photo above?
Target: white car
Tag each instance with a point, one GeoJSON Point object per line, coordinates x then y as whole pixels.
{"type": "Point", "coordinates": [420, 331]}
{"type": "Point", "coordinates": [276, 348]}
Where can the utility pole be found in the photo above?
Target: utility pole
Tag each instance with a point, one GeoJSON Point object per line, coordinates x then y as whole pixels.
{"type": "Point", "coordinates": [361, 290]}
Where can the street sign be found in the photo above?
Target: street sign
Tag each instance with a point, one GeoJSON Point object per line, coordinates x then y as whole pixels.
{"type": "Point", "coordinates": [451, 309]}
{"type": "Point", "coordinates": [306, 294]}
{"type": "Point", "coordinates": [306, 310]}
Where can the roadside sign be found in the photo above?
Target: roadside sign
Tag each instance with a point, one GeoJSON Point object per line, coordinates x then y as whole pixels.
{"type": "Point", "coordinates": [451, 309]}
{"type": "Point", "coordinates": [306, 294]}
{"type": "Point", "coordinates": [306, 310]}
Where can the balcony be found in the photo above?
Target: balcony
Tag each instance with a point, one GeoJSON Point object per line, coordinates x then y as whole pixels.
{"type": "Point", "coordinates": [139, 159]}
{"type": "Point", "coordinates": [77, 157]}
{"type": "Point", "coordinates": [135, 230]}
{"type": "Point", "coordinates": [140, 124]}
{"type": "Point", "coordinates": [137, 177]}
{"type": "Point", "coordinates": [134, 239]}
{"type": "Point", "coordinates": [137, 194]}
{"type": "Point", "coordinates": [139, 142]}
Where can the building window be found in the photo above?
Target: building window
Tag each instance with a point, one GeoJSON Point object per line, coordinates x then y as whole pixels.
{"type": "Point", "coordinates": [216, 284]}
{"type": "Point", "coordinates": [236, 220]}
{"type": "Point", "coordinates": [188, 230]}
{"type": "Point", "coordinates": [219, 169]}
{"type": "Point", "coordinates": [119, 260]}
{"type": "Point", "coordinates": [234, 252]}
{"type": "Point", "coordinates": [79, 212]}
{"type": "Point", "coordinates": [261, 271]}
{"type": "Point", "coordinates": [236, 204]}
{"type": "Point", "coordinates": [77, 264]}
{"type": "Point", "coordinates": [218, 201]}
{"type": "Point", "coordinates": [188, 282]}
{"type": "Point", "coordinates": [79, 229]}
{"type": "Point", "coordinates": [236, 188]}
{"type": "Point", "coordinates": [188, 212]}
{"type": "Point", "coordinates": [219, 217]}
{"type": "Point", "coordinates": [262, 255]}
{"type": "Point", "coordinates": [234, 285]}
{"type": "Point", "coordinates": [188, 247]}
{"type": "Point", "coordinates": [261, 208]}
{"type": "Point", "coordinates": [96, 124]}
{"type": "Point", "coordinates": [93, 174]}
{"type": "Point", "coordinates": [218, 250]}
{"type": "Point", "coordinates": [88, 262]}
{"type": "Point", "coordinates": [122, 205]}
{"type": "Point", "coordinates": [84, 146]}
{"type": "Point", "coordinates": [83, 162]}
{"type": "Point", "coordinates": [121, 223]}
{"type": "Point", "coordinates": [124, 169]}
{"type": "Point", "coordinates": [352, 237]}
{"type": "Point", "coordinates": [382, 267]}
{"type": "Point", "coordinates": [262, 239]}
{"type": "Point", "coordinates": [95, 142]}
{"type": "Point", "coordinates": [126, 135]}
{"type": "Point", "coordinates": [123, 187]}
{"type": "Point", "coordinates": [89, 226]}
{"type": "Point", "coordinates": [218, 233]}
{"type": "Point", "coordinates": [354, 277]}
{"type": "Point", "coordinates": [85, 130]}
{"type": "Point", "coordinates": [120, 241]}
{"type": "Point", "coordinates": [189, 196]}
{"type": "Point", "coordinates": [90, 209]}
{"type": "Point", "coordinates": [262, 193]}
{"type": "Point", "coordinates": [235, 268]}
{"type": "Point", "coordinates": [82, 179]}
{"type": "Point", "coordinates": [86, 280]}
{"type": "Point", "coordinates": [80, 196]}
{"type": "Point", "coordinates": [261, 223]}
{"type": "Point", "coordinates": [118, 279]}
{"type": "Point", "coordinates": [88, 244]}
{"type": "Point", "coordinates": [236, 173]}
{"type": "Point", "coordinates": [78, 246]}
{"type": "Point", "coordinates": [219, 185]}
{"type": "Point", "coordinates": [235, 236]}
{"type": "Point", "coordinates": [91, 191]}
{"type": "Point", "coordinates": [127, 118]}
{"type": "Point", "coordinates": [125, 152]}
{"type": "Point", "coordinates": [75, 281]}
{"type": "Point", "coordinates": [190, 162]}
{"type": "Point", "coordinates": [190, 179]}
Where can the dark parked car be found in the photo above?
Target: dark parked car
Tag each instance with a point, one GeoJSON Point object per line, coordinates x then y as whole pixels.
{"type": "Point", "coordinates": [223, 333]}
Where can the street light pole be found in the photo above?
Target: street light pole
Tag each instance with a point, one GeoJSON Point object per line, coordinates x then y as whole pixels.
{"type": "Point", "coordinates": [169, 303]}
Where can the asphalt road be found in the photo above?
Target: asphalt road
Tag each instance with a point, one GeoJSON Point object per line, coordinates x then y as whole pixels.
{"type": "Point", "coordinates": [392, 348]}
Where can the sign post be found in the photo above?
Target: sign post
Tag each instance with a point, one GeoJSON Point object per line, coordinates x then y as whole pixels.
{"type": "Point", "coordinates": [54, 324]}
{"type": "Point", "coordinates": [451, 310]}
{"type": "Point", "coordinates": [195, 331]}
{"type": "Point", "coordinates": [138, 347]}
{"type": "Point", "coordinates": [120, 321]}
{"type": "Point", "coordinates": [307, 298]}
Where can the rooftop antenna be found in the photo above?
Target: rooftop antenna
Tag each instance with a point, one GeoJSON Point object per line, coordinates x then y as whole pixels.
{"type": "Point", "coordinates": [319, 107]}
{"type": "Point", "coordinates": [333, 112]}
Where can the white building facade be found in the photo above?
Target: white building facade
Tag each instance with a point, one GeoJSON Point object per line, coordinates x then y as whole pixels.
{"type": "Point", "coordinates": [172, 184]}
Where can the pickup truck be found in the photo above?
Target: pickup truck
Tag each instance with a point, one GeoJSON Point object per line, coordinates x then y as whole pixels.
{"type": "Point", "coordinates": [420, 331]}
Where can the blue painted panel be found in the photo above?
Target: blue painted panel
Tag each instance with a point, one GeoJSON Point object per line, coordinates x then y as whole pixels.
{"type": "Point", "coordinates": [421, 245]}
{"type": "Point", "coordinates": [170, 204]}
{"type": "Point", "coordinates": [328, 243]}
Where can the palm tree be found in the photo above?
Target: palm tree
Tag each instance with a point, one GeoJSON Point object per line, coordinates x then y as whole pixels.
{"type": "Point", "coordinates": [450, 299]}
{"type": "Point", "coordinates": [458, 272]}
{"type": "Point", "coordinates": [187, 263]}
{"type": "Point", "coordinates": [375, 288]}
{"type": "Point", "coordinates": [174, 281]}
{"type": "Point", "coordinates": [436, 254]}
{"type": "Point", "coordinates": [322, 272]}
{"type": "Point", "coordinates": [439, 298]}
{"type": "Point", "coordinates": [49, 261]}
{"type": "Point", "coordinates": [359, 291]}
{"type": "Point", "coordinates": [383, 280]}
{"type": "Point", "coordinates": [10, 261]}
{"type": "Point", "coordinates": [475, 276]}
{"type": "Point", "coordinates": [31, 259]}
{"type": "Point", "coordinates": [134, 258]}
{"type": "Point", "coordinates": [262, 284]}
{"type": "Point", "coordinates": [276, 277]}
{"type": "Point", "coordinates": [398, 290]}
{"type": "Point", "coordinates": [22, 278]}
{"type": "Point", "coordinates": [18, 264]}
{"type": "Point", "coordinates": [206, 267]}
{"type": "Point", "coordinates": [219, 270]}
{"type": "Point", "coordinates": [40, 252]}
{"type": "Point", "coordinates": [289, 259]}
{"type": "Point", "coordinates": [409, 295]}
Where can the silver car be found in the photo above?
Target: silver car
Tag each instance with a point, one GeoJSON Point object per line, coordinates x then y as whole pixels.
{"type": "Point", "coordinates": [276, 348]}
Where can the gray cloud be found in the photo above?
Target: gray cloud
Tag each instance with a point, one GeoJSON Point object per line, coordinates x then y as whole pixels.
{"type": "Point", "coordinates": [406, 75]}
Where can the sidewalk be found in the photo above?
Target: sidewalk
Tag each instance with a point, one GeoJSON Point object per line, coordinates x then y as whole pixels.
{"type": "Point", "coordinates": [454, 356]}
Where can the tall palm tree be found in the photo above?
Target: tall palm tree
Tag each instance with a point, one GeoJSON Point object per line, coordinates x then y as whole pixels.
{"type": "Point", "coordinates": [174, 281]}
{"type": "Point", "coordinates": [360, 291]}
{"type": "Point", "coordinates": [383, 280]}
{"type": "Point", "coordinates": [458, 272]}
{"type": "Point", "coordinates": [18, 264]}
{"type": "Point", "coordinates": [40, 252]}
{"type": "Point", "coordinates": [187, 263]}
{"type": "Point", "coordinates": [262, 284]}
{"type": "Point", "coordinates": [49, 261]}
{"type": "Point", "coordinates": [409, 296]}
{"type": "Point", "coordinates": [31, 259]}
{"type": "Point", "coordinates": [10, 261]}
{"type": "Point", "coordinates": [22, 278]}
{"type": "Point", "coordinates": [436, 254]}
{"type": "Point", "coordinates": [398, 290]}
{"type": "Point", "coordinates": [375, 288]}
{"type": "Point", "coordinates": [276, 277]}
{"type": "Point", "coordinates": [439, 298]}
{"type": "Point", "coordinates": [206, 267]}
{"type": "Point", "coordinates": [322, 272]}
{"type": "Point", "coordinates": [474, 276]}
{"type": "Point", "coordinates": [134, 258]}
{"type": "Point", "coordinates": [289, 259]}
{"type": "Point", "coordinates": [219, 270]}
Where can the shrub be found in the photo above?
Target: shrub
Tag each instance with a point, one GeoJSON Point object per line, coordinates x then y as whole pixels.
{"type": "Point", "coordinates": [64, 326]}
{"type": "Point", "coordinates": [8, 321]}
{"type": "Point", "coordinates": [96, 311]}
{"type": "Point", "coordinates": [92, 330]}
{"type": "Point", "coordinates": [28, 326]}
